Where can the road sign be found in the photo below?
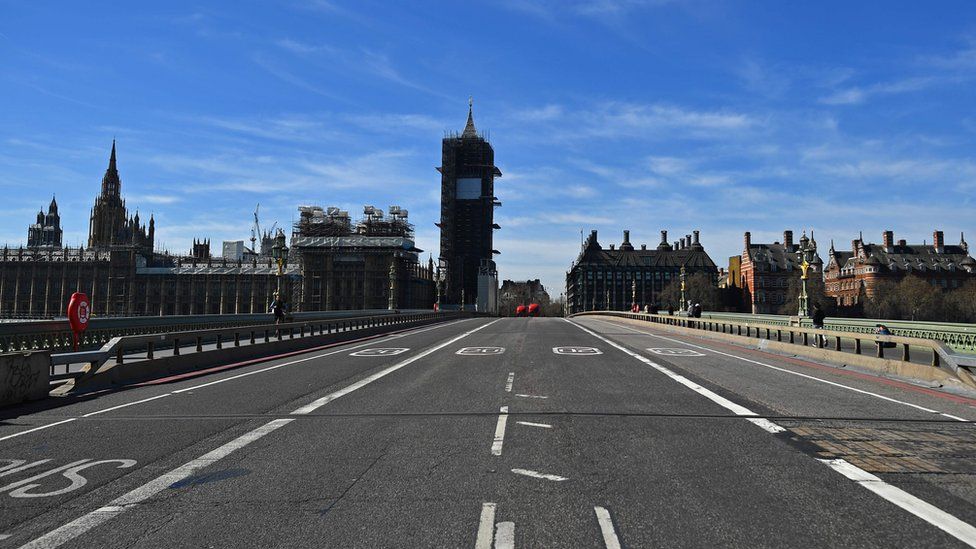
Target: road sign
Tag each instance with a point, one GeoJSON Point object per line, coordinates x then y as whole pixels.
{"type": "Point", "coordinates": [668, 351]}
{"type": "Point", "coordinates": [387, 351]}
{"type": "Point", "coordinates": [476, 351]}
{"type": "Point", "coordinates": [577, 351]}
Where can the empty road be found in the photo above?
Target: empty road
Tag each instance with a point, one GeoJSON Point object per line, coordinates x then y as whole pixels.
{"type": "Point", "coordinates": [513, 432]}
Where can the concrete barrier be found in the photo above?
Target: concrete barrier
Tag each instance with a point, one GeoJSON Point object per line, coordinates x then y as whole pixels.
{"type": "Point", "coordinates": [24, 376]}
{"type": "Point", "coordinates": [881, 366]}
{"type": "Point", "coordinates": [108, 376]}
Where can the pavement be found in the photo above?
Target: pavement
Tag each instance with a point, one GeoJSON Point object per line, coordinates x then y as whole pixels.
{"type": "Point", "coordinates": [528, 432]}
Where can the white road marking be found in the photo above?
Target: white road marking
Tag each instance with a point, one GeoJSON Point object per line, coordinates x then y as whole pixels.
{"type": "Point", "coordinates": [309, 408]}
{"type": "Point", "coordinates": [383, 351]}
{"type": "Point", "coordinates": [72, 474]}
{"type": "Point", "coordinates": [231, 378]}
{"type": "Point", "coordinates": [125, 405]}
{"type": "Point", "coordinates": [918, 507]}
{"type": "Point", "coordinates": [69, 420]}
{"type": "Point", "coordinates": [766, 425]}
{"type": "Point", "coordinates": [18, 465]}
{"type": "Point", "coordinates": [577, 351]}
{"type": "Point", "coordinates": [530, 396]}
{"type": "Point", "coordinates": [720, 400]}
{"type": "Point", "coordinates": [5, 536]}
{"type": "Point", "coordinates": [807, 376]}
{"type": "Point", "coordinates": [610, 539]}
{"type": "Point", "coordinates": [79, 526]}
{"type": "Point", "coordinates": [505, 535]}
{"type": "Point", "coordinates": [496, 444]}
{"type": "Point", "coordinates": [536, 474]}
{"type": "Point", "coordinates": [56, 470]}
{"type": "Point", "coordinates": [480, 351]}
{"type": "Point", "coordinates": [670, 351]}
{"type": "Point", "coordinates": [530, 424]}
{"type": "Point", "coordinates": [486, 527]}
{"type": "Point", "coordinates": [509, 381]}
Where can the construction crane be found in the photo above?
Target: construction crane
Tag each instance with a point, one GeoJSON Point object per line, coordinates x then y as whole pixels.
{"type": "Point", "coordinates": [255, 229]}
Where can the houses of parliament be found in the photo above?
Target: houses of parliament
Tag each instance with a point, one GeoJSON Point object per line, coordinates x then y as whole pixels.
{"type": "Point", "coordinates": [332, 264]}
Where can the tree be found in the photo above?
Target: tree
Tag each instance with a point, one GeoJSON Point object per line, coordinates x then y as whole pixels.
{"type": "Point", "coordinates": [816, 293]}
{"type": "Point", "coordinates": [961, 303]}
{"type": "Point", "coordinates": [699, 288]}
{"type": "Point", "coordinates": [883, 303]}
{"type": "Point", "coordinates": [919, 300]}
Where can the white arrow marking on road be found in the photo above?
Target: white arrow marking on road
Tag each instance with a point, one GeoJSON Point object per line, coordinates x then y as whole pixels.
{"type": "Point", "coordinates": [486, 526]}
{"type": "Point", "coordinates": [536, 474]}
{"type": "Point", "coordinates": [530, 424]}
{"type": "Point", "coordinates": [531, 396]}
{"type": "Point", "coordinates": [509, 381]}
{"type": "Point", "coordinates": [496, 445]}
{"type": "Point", "coordinates": [606, 527]}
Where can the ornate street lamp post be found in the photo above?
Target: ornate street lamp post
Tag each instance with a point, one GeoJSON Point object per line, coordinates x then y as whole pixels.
{"type": "Point", "coordinates": [633, 296]}
{"type": "Point", "coordinates": [393, 286]}
{"type": "Point", "coordinates": [805, 254]}
{"type": "Point", "coordinates": [279, 251]}
{"type": "Point", "coordinates": [682, 277]}
{"type": "Point", "coordinates": [439, 285]}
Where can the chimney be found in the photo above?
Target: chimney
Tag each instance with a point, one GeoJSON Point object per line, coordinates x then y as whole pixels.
{"type": "Point", "coordinates": [688, 240]}
{"type": "Point", "coordinates": [903, 242]}
{"type": "Point", "coordinates": [748, 239]}
{"type": "Point", "coordinates": [626, 246]}
{"type": "Point", "coordinates": [788, 239]}
{"type": "Point", "coordinates": [677, 245]}
{"type": "Point", "coordinates": [664, 241]}
{"type": "Point", "coordinates": [643, 246]}
{"type": "Point", "coordinates": [938, 242]}
{"type": "Point", "coordinates": [682, 243]}
{"type": "Point", "coordinates": [696, 242]}
{"type": "Point", "coordinates": [854, 245]}
{"type": "Point", "coordinates": [889, 240]}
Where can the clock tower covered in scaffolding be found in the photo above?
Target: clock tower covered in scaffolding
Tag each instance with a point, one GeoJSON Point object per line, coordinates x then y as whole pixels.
{"type": "Point", "coordinates": [468, 202]}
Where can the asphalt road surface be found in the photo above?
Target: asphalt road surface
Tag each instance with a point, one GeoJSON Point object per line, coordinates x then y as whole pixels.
{"type": "Point", "coordinates": [515, 432]}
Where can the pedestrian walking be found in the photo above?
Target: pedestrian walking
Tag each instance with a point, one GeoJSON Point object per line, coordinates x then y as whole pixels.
{"type": "Point", "coordinates": [277, 309]}
{"type": "Point", "coordinates": [819, 315]}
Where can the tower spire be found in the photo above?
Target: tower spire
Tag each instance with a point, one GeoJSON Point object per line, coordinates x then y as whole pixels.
{"type": "Point", "coordinates": [111, 184]}
{"type": "Point", "coordinates": [469, 129]}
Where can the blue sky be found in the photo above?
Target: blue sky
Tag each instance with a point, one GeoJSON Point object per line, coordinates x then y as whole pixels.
{"type": "Point", "coordinates": [604, 114]}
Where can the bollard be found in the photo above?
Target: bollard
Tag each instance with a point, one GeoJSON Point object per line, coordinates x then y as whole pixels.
{"type": "Point", "coordinates": [252, 337]}
{"type": "Point", "coordinates": [837, 343]}
{"type": "Point", "coordinates": [806, 339]}
{"type": "Point", "coordinates": [792, 337]}
{"type": "Point", "coordinates": [237, 339]}
{"type": "Point", "coordinates": [779, 335]}
{"type": "Point", "coordinates": [199, 344]}
{"type": "Point", "coordinates": [118, 356]}
{"type": "Point", "coordinates": [219, 342]}
{"type": "Point", "coordinates": [935, 357]}
{"type": "Point", "coordinates": [857, 346]}
{"type": "Point", "coordinates": [291, 332]}
{"type": "Point", "coordinates": [266, 338]}
{"type": "Point", "coordinates": [905, 353]}
{"type": "Point", "coordinates": [176, 346]}
{"type": "Point", "coordinates": [149, 349]}
{"type": "Point", "coordinates": [880, 349]}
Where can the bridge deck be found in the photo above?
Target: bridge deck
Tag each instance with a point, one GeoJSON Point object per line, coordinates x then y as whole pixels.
{"type": "Point", "coordinates": [550, 432]}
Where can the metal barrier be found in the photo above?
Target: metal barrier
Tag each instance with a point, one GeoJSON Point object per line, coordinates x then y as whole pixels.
{"type": "Point", "coordinates": [56, 334]}
{"type": "Point", "coordinates": [195, 340]}
{"type": "Point", "coordinates": [940, 355]}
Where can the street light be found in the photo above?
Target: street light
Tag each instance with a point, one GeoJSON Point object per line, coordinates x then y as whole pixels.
{"type": "Point", "coordinates": [805, 254]}
{"type": "Point", "coordinates": [682, 278]}
{"type": "Point", "coordinates": [279, 251]}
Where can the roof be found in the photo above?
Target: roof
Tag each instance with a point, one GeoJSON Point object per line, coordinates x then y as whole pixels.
{"type": "Point", "coordinates": [917, 257]}
{"type": "Point", "coordinates": [691, 257]}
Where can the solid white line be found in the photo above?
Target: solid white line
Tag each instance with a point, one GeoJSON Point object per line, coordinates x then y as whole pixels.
{"type": "Point", "coordinates": [125, 405]}
{"type": "Point", "coordinates": [5, 536]}
{"type": "Point", "coordinates": [530, 424]}
{"type": "Point", "coordinates": [496, 444]}
{"type": "Point", "coordinates": [918, 507]}
{"type": "Point", "coordinates": [536, 474]}
{"type": "Point", "coordinates": [606, 527]}
{"type": "Point", "coordinates": [779, 369]}
{"type": "Point", "coordinates": [222, 380]}
{"type": "Point", "coordinates": [509, 381]}
{"type": "Point", "coordinates": [486, 526]}
{"type": "Point", "coordinates": [766, 425]}
{"type": "Point", "coordinates": [929, 513]}
{"type": "Point", "coordinates": [531, 396]}
{"type": "Point", "coordinates": [315, 405]}
{"type": "Point", "coordinates": [38, 428]}
{"type": "Point", "coordinates": [79, 526]}
{"type": "Point", "coordinates": [720, 400]}
{"type": "Point", "coordinates": [306, 359]}
{"type": "Point", "coordinates": [505, 535]}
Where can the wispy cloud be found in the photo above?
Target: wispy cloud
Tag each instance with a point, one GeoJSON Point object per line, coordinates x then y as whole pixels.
{"type": "Point", "coordinates": [857, 95]}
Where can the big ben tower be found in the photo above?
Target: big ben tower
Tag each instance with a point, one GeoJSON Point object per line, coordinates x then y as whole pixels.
{"type": "Point", "coordinates": [467, 224]}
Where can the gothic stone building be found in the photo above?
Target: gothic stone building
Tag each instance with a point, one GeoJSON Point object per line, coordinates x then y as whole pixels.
{"type": "Point", "coordinates": [851, 276]}
{"type": "Point", "coordinates": [603, 279]}
{"type": "Point", "coordinates": [123, 276]}
{"type": "Point", "coordinates": [765, 271]}
{"type": "Point", "coordinates": [46, 233]}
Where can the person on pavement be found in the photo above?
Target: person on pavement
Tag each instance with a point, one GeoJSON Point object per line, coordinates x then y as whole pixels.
{"type": "Point", "coordinates": [818, 324]}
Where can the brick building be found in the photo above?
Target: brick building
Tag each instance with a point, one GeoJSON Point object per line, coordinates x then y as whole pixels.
{"type": "Point", "coordinates": [850, 276]}
{"type": "Point", "coordinates": [765, 271]}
